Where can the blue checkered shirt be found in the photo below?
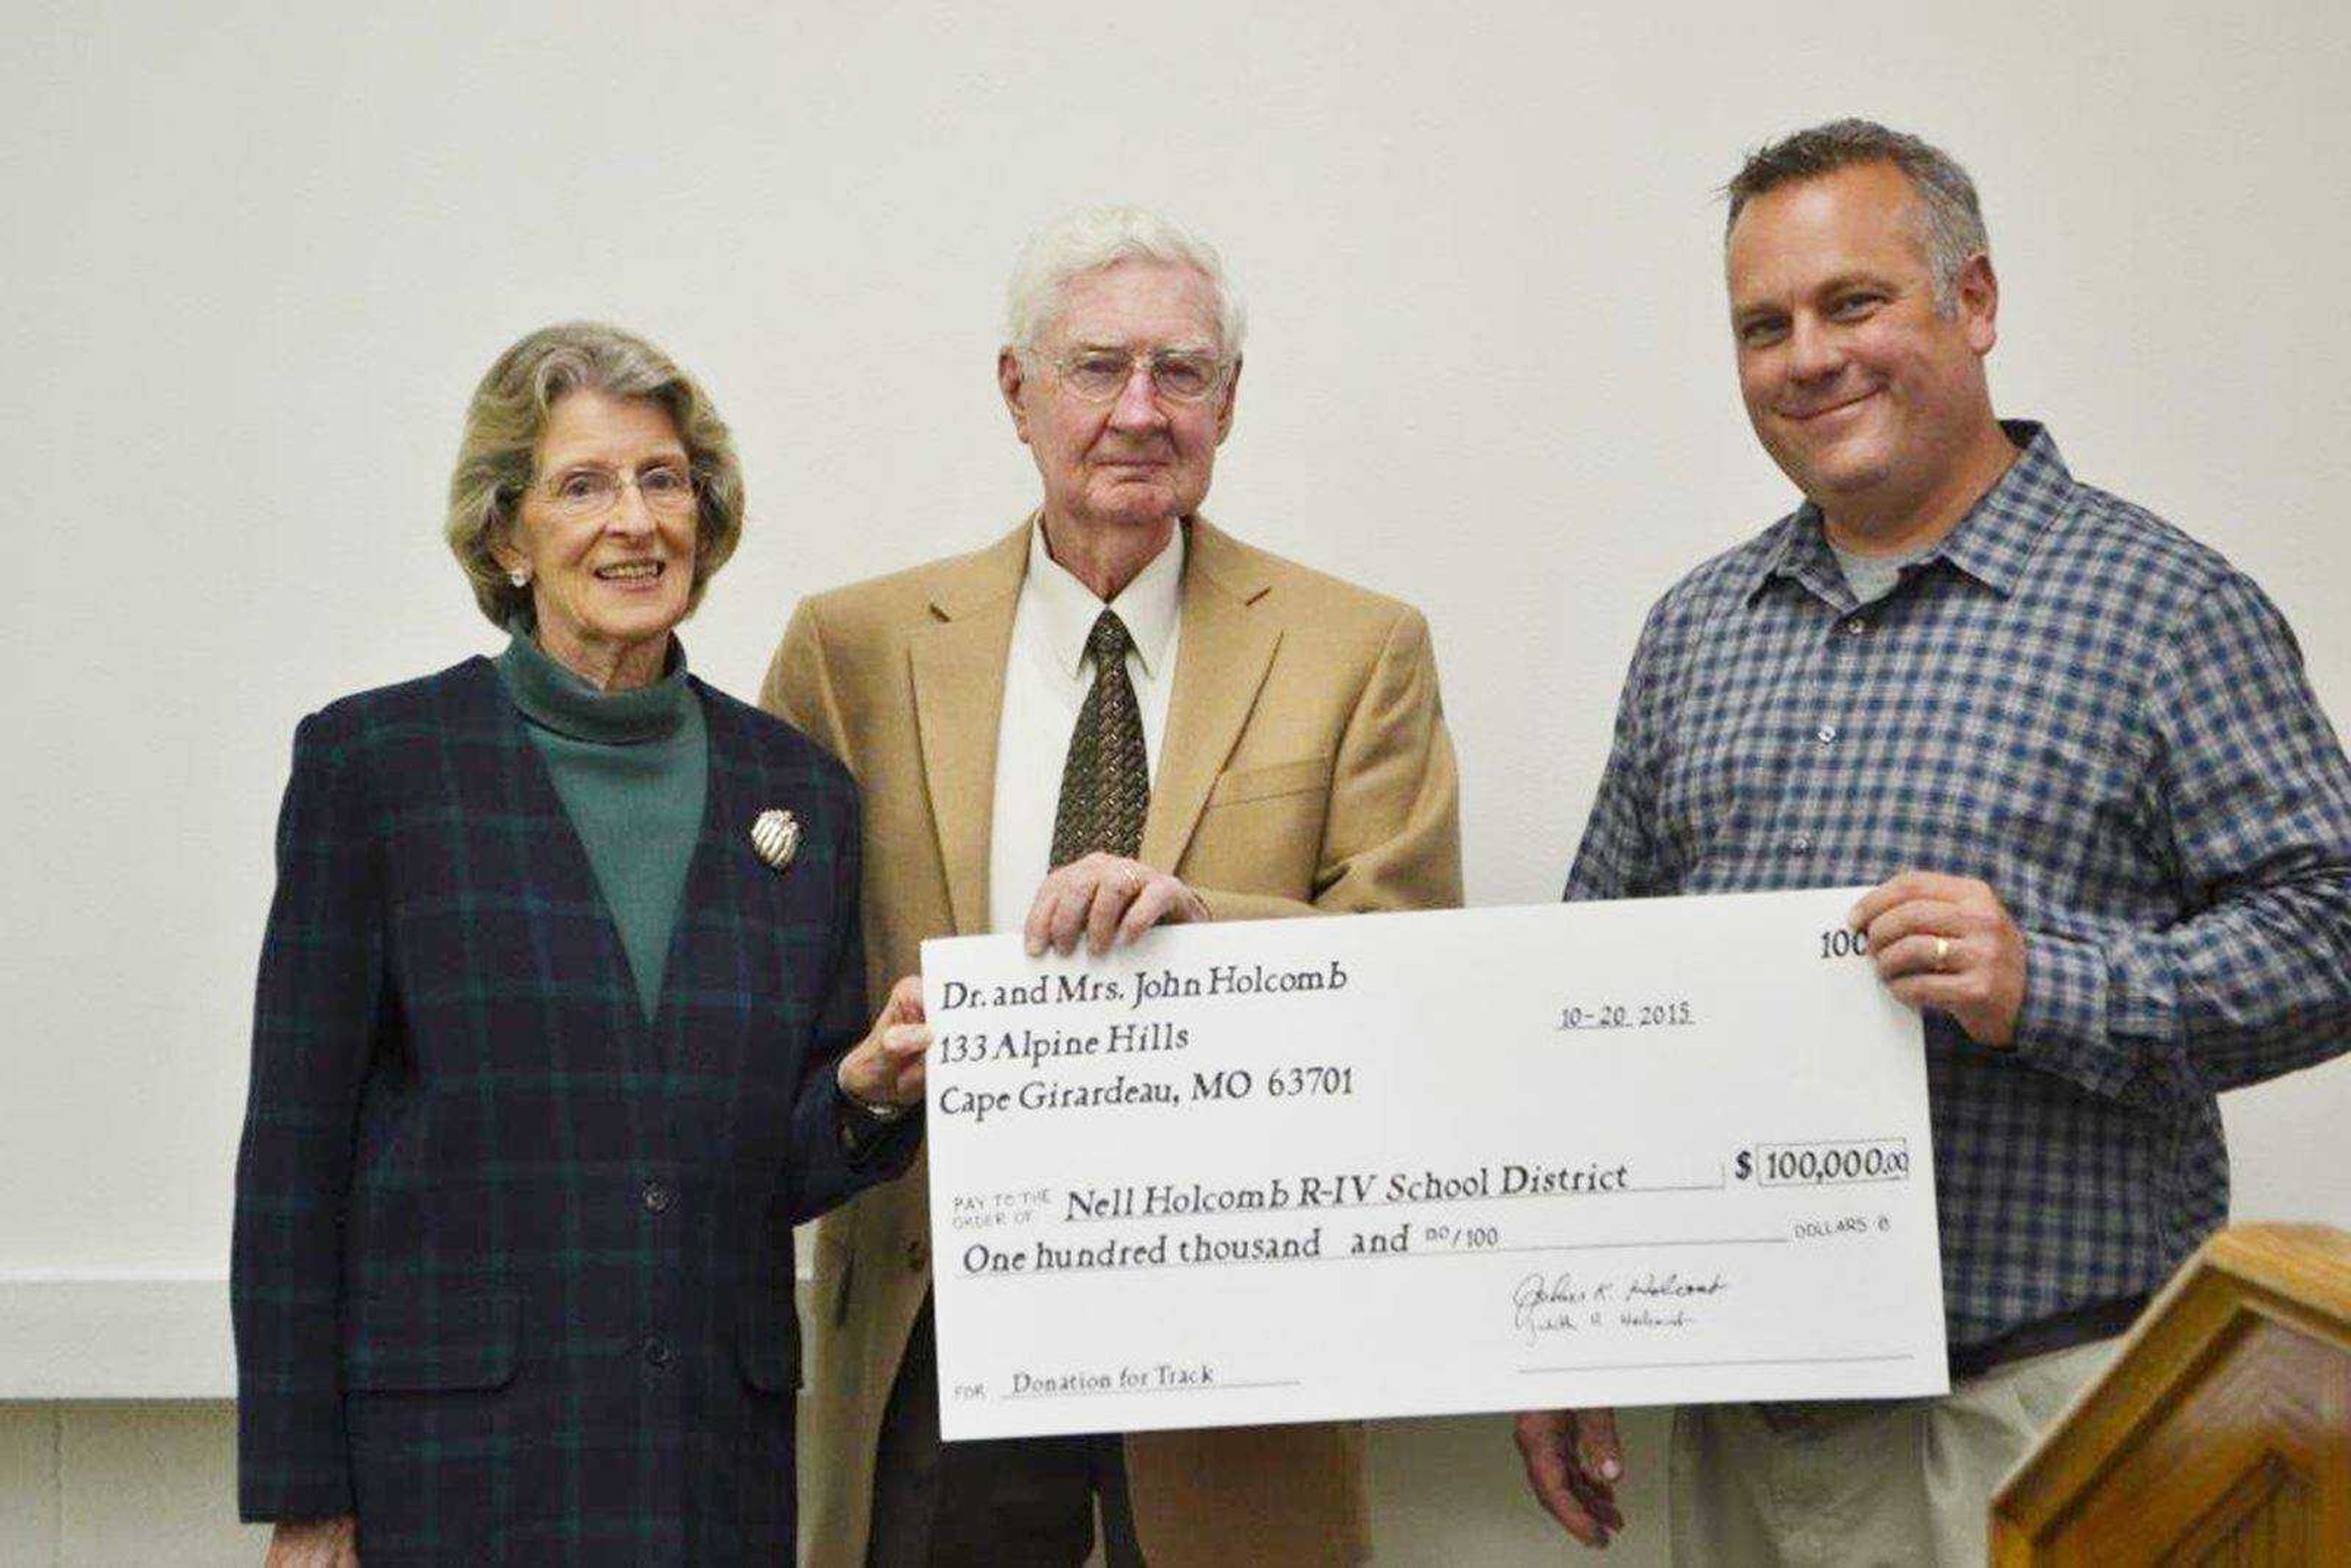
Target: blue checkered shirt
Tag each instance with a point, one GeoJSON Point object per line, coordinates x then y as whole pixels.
{"type": "Point", "coordinates": [2075, 702]}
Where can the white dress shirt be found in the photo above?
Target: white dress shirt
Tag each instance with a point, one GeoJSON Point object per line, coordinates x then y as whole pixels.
{"type": "Point", "coordinates": [1047, 673]}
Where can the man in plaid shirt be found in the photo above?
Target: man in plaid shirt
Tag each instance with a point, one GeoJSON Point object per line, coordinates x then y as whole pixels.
{"type": "Point", "coordinates": [2075, 750]}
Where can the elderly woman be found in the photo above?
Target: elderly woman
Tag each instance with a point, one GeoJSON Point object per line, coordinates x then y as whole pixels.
{"type": "Point", "coordinates": [558, 1036]}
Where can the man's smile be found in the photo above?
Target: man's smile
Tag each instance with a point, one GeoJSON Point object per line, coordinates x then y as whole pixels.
{"type": "Point", "coordinates": [1808, 416]}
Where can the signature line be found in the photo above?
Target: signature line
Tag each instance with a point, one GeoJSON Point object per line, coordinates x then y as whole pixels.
{"type": "Point", "coordinates": [1766, 1361]}
{"type": "Point", "coordinates": [1195, 1388]}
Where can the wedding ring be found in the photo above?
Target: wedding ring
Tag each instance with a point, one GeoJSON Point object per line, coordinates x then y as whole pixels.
{"type": "Point", "coordinates": [1942, 952]}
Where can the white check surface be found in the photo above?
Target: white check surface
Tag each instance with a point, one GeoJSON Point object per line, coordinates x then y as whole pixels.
{"type": "Point", "coordinates": [1662, 1150]}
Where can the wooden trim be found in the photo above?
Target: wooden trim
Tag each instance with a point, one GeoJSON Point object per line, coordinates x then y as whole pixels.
{"type": "Point", "coordinates": [127, 1336]}
{"type": "Point", "coordinates": [131, 1334]}
{"type": "Point", "coordinates": [2235, 1386]}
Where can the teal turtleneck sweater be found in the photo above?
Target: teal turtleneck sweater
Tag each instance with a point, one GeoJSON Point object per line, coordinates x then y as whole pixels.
{"type": "Point", "coordinates": [632, 770]}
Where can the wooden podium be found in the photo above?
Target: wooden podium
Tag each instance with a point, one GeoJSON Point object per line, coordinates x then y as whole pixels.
{"type": "Point", "coordinates": [2222, 1432]}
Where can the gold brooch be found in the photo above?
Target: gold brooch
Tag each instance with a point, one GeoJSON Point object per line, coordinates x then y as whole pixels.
{"type": "Point", "coordinates": [777, 836]}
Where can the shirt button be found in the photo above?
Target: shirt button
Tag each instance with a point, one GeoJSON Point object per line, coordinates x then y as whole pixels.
{"type": "Point", "coordinates": [658, 1196]}
{"type": "Point", "coordinates": [657, 1351]}
{"type": "Point", "coordinates": [1856, 626]}
{"type": "Point", "coordinates": [1800, 842]}
{"type": "Point", "coordinates": [914, 1257]}
{"type": "Point", "coordinates": [1826, 733]}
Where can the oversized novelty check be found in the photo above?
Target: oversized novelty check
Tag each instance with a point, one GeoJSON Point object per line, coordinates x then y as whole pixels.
{"type": "Point", "coordinates": [1661, 1151]}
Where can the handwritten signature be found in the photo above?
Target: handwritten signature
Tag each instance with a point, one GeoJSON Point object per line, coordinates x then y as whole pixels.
{"type": "Point", "coordinates": [1549, 1305]}
{"type": "Point", "coordinates": [1556, 1303]}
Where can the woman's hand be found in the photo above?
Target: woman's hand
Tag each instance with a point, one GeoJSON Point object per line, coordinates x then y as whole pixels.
{"type": "Point", "coordinates": [886, 1068]}
{"type": "Point", "coordinates": [314, 1543]}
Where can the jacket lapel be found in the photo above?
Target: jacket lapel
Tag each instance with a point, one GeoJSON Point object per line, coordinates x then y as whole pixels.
{"type": "Point", "coordinates": [957, 666]}
{"type": "Point", "coordinates": [715, 876]}
{"type": "Point", "coordinates": [561, 878]}
{"type": "Point", "coordinates": [1223, 654]}
{"type": "Point", "coordinates": [717, 1049]}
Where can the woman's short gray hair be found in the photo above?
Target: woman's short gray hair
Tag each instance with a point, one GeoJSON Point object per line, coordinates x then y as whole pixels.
{"type": "Point", "coordinates": [508, 413]}
{"type": "Point", "coordinates": [1951, 218]}
{"type": "Point", "coordinates": [1094, 238]}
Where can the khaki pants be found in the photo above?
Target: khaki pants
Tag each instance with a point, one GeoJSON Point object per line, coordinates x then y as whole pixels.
{"type": "Point", "coordinates": [1862, 1483]}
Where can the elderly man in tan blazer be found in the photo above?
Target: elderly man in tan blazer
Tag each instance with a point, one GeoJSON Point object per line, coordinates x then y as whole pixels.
{"type": "Point", "coordinates": [1117, 715]}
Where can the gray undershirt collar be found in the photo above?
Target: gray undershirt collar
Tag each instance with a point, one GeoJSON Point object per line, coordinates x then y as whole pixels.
{"type": "Point", "coordinates": [1873, 576]}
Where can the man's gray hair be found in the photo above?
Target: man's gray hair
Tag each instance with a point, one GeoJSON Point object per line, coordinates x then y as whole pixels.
{"type": "Point", "coordinates": [1951, 225]}
{"type": "Point", "coordinates": [1094, 238]}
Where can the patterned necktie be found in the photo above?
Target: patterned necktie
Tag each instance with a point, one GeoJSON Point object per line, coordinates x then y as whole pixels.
{"type": "Point", "coordinates": [1106, 782]}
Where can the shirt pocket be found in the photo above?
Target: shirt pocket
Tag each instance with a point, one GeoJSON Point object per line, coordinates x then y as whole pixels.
{"type": "Point", "coordinates": [1241, 785]}
{"type": "Point", "coordinates": [1708, 775]}
{"type": "Point", "coordinates": [426, 1342]}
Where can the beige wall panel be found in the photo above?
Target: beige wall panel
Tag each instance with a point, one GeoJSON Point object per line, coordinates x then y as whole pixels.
{"type": "Point", "coordinates": [29, 1483]}
{"type": "Point", "coordinates": [151, 1483]}
{"type": "Point", "coordinates": [154, 1483]}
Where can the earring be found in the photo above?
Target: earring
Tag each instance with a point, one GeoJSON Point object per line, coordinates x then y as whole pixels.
{"type": "Point", "coordinates": [519, 577]}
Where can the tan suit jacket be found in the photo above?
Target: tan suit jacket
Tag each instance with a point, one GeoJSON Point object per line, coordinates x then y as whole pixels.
{"type": "Point", "coordinates": [1306, 771]}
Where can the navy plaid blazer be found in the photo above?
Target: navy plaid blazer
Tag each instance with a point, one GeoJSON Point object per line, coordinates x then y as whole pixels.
{"type": "Point", "coordinates": [513, 1267]}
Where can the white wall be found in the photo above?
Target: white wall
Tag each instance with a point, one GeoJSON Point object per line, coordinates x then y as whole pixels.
{"type": "Point", "coordinates": [257, 255]}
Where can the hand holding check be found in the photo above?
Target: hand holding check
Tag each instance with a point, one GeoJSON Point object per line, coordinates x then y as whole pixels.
{"type": "Point", "coordinates": [1107, 899]}
{"type": "Point", "coordinates": [1947, 944]}
{"type": "Point", "coordinates": [887, 1066]}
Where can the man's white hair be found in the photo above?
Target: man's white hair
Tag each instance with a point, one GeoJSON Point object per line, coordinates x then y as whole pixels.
{"type": "Point", "coordinates": [1094, 238]}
